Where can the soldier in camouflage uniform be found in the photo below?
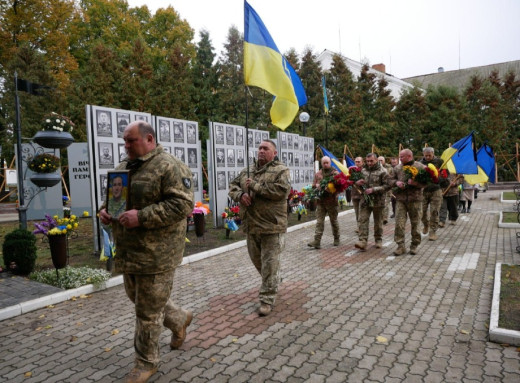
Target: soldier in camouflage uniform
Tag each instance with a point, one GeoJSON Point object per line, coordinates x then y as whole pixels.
{"type": "Point", "coordinates": [328, 204]}
{"type": "Point", "coordinates": [408, 194]}
{"type": "Point", "coordinates": [262, 191]}
{"type": "Point", "coordinates": [388, 195]}
{"type": "Point", "coordinates": [375, 184]}
{"type": "Point", "coordinates": [450, 197]}
{"type": "Point", "coordinates": [150, 243]}
{"type": "Point", "coordinates": [432, 197]}
{"type": "Point", "coordinates": [356, 195]}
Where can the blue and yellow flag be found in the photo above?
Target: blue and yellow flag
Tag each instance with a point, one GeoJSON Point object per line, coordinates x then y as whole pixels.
{"type": "Point", "coordinates": [486, 166]}
{"type": "Point", "coordinates": [350, 161]}
{"type": "Point", "coordinates": [461, 157]}
{"type": "Point", "coordinates": [336, 164]}
{"type": "Point", "coordinates": [325, 101]}
{"type": "Point", "coordinates": [266, 68]}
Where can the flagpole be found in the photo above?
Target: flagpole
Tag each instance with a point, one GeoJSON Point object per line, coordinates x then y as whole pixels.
{"type": "Point", "coordinates": [247, 131]}
{"type": "Point", "coordinates": [326, 132]}
{"type": "Point", "coordinates": [22, 209]}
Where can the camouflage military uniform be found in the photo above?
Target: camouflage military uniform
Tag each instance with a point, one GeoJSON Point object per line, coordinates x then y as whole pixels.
{"type": "Point", "coordinates": [147, 255]}
{"type": "Point", "coordinates": [326, 205]}
{"type": "Point", "coordinates": [376, 177]}
{"type": "Point", "coordinates": [432, 197]}
{"type": "Point", "coordinates": [356, 201]}
{"type": "Point", "coordinates": [265, 220]}
{"type": "Point", "coordinates": [388, 194]}
{"type": "Point", "coordinates": [450, 200]}
{"type": "Point", "coordinates": [408, 204]}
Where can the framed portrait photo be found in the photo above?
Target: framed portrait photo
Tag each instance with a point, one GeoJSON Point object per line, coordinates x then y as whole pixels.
{"type": "Point", "coordinates": [118, 196]}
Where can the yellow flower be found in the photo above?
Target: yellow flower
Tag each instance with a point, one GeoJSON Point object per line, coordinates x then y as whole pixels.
{"type": "Point", "coordinates": [331, 187]}
{"type": "Point", "coordinates": [76, 225]}
{"type": "Point", "coordinates": [434, 169]}
{"type": "Point", "coordinates": [55, 217]}
{"type": "Point", "coordinates": [69, 227]}
{"type": "Point", "coordinates": [85, 214]}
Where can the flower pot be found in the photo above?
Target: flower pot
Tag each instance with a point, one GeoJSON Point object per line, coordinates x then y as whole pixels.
{"type": "Point", "coordinates": [53, 139]}
{"type": "Point", "coordinates": [198, 220]}
{"type": "Point", "coordinates": [58, 245]}
{"type": "Point", "coordinates": [45, 180]}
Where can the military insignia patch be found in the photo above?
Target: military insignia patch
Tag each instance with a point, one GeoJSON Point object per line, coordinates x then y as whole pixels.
{"type": "Point", "coordinates": [187, 182]}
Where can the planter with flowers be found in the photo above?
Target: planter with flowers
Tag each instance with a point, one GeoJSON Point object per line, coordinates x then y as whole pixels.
{"type": "Point", "coordinates": [55, 132]}
{"type": "Point", "coordinates": [232, 219]}
{"type": "Point", "coordinates": [45, 167]}
{"type": "Point", "coordinates": [199, 213]}
{"type": "Point", "coordinates": [57, 230]}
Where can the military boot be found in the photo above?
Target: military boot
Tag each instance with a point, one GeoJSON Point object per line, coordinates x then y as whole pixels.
{"type": "Point", "coordinates": [400, 250]}
{"type": "Point", "coordinates": [177, 338]}
{"type": "Point", "coordinates": [379, 244]}
{"type": "Point", "coordinates": [138, 375]}
{"type": "Point", "coordinates": [336, 241]}
{"type": "Point", "coordinates": [425, 229]}
{"type": "Point", "coordinates": [361, 245]}
{"type": "Point", "coordinates": [433, 236]}
{"type": "Point", "coordinates": [315, 244]}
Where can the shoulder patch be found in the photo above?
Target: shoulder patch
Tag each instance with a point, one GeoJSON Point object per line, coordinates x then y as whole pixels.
{"type": "Point", "coordinates": [187, 182]}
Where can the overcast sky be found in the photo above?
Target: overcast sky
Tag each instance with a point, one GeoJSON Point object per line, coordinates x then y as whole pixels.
{"type": "Point", "coordinates": [411, 37]}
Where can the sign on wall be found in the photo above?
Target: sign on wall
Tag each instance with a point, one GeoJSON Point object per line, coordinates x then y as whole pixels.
{"type": "Point", "coordinates": [79, 179]}
{"type": "Point", "coordinates": [297, 152]}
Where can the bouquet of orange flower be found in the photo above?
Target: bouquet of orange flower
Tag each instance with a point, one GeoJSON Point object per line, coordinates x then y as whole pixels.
{"type": "Point", "coordinates": [425, 176]}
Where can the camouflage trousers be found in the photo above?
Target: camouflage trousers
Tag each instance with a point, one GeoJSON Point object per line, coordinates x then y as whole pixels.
{"type": "Point", "coordinates": [321, 213]}
{"type": "Point", "coordinates": [356, 203]}
{"type": "Point", "coordinates": [404, 210]}
{"type": "Point", "coordinates": [388, 198]}
{"type": "Point", "coordinates": [150, 294]}
{"type": "Point", "coordinates": [265, 251]}
{"type": "Point", "coordinates": [434, 201]}
{"type": "Point", "coordinates": [364, 220]}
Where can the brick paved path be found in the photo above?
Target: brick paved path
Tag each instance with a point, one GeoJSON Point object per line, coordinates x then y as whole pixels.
{"type": "Point", "coordinates": [341, 316]}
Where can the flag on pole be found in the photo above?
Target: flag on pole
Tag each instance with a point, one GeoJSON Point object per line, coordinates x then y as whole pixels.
{"type": "Point", "coordinates": [336, 164]}
{"type": "Point", "coordinates": [31, 87]}
{"type": "Point", "coordinates": [350, 161]}
{"type": "Point", "coordinates": [266, 68]}
{"type": "Point", "coordinates": [325, 101]}
{"type": "Point", "coordinates": [486, 167]}
{"type": "Point", "coordinates": [461, 157]}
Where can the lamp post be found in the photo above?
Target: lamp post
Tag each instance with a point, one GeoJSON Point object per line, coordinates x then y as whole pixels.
{"type": "Point", "coordinates": [304, 118]}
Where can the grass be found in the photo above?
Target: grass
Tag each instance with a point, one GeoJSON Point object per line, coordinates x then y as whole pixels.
{"type": "Point", "coordinates": [510, 217]}
{"type": "Point", "coordinates": [509, 308]}
{"type": "Point", "coordinates": [509, 195]}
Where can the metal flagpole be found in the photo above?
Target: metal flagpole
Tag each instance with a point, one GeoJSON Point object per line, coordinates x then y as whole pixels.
{"type": "Point", "coordinates": [22, 209]}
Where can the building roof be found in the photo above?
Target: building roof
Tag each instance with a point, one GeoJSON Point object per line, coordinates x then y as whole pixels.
{"type": "Point", "coordinates": [395, 85]}
{"type": "Point", "coordinates": [460, 78]}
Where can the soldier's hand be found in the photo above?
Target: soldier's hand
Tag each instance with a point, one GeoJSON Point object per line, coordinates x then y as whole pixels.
{"type": "Point", "coordinates": [105, 217]}
{"type": "Point", "coordinates": [129, 219]}
{"type": "Point", "coordinates": [245, 199]}
{"type": "Point", "coordinates": [248, 182]}
{"type": "Point", "coordinates": [369, 191]}
{"type": "Point", "coordinates": [400, 184]}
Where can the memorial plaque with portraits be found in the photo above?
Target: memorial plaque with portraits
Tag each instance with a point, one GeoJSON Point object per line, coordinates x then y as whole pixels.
{"type": "Point", "coordinates": [178, 131]}
{"type": "Point", "coordinates": [104, 123]}
{"type": "Point", "coordinates": [123, 119]}
{"type": "Point", "coordinates": [106, 155]}
{"type": "Point", "coordinates": [230, 135]}
{"type": "Point", "coordinates": [191, 135]}
{"type": "Point", "coordinates": [219, 134]}
{"type": "Point", "coordinates": [192, 157]}
{"type": "Point", "coordinates": [164, 130]}
{"type": "Point", "coordinates": [118, 196]}
{"type": "Point", "coordinates": [239, 136]}
{"type": "Point", "coordinates": [179, 153]}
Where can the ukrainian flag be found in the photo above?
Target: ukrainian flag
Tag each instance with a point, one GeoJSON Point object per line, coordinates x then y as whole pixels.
{"type": "Point", "coordinates": [336, 164]}
{"type": "Point", "coordinates": [486, 167]}
{"type": "Point", "coordinates": [266, 68]}
{"type": "Point", "coordinates": [461, 158]}
{"type": "Point", "coordinates": [325, 100]}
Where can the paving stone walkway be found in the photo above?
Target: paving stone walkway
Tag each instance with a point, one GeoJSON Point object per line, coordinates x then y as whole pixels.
{"type": "Point", "coordinates": [341, 316]}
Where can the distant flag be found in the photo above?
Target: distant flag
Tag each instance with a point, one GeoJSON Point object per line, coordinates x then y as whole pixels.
{"type": "Point", "coordinates": [334, 161]}
{"type": "Point", "coordinates": [350, 161]}
{"type": "Point", "coordinates": [461, 157]}
{"type": "Point", "coordinates": [486, 166]}
{"type": "Point", "coordinates": [31, 87]}
{"type": "Point", "coordinates": [266, 68]}
{"type": "Point", "coordinates": [325, 101]}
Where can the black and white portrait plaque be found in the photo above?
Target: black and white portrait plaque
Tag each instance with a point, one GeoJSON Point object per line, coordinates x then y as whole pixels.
{"type": "Point", "coordinates": [191, 136]}
{"type": "Point", "coordinates": [219, 135]}
{"type": "Point", "coordinates": [230, 135]}
{"type": "Point", "coordinates": [106, 155]}
{"type": "Point", "coordinates": [104, 123]}
{"type": "Point", "coordinates": [240, 158]}
{"type": "Point", "coordinates": [192, 157]}
{"type": "Point", "coordinates": [164, 131]}
{"type": "Point", "coordinates": [123, 119]}
{"type": "Point", "coordinates": [221, 180]}
{"type": "Point", "coordinates": [231, 158]}
{"type": "Point", "coordinates": [178, 131]}
{"type": "Point", "coordinates": [179, 153]}
{"type": "Point", "coordinates": [240, 136]}
{"type": "Point", "coordinates": [221, 157]}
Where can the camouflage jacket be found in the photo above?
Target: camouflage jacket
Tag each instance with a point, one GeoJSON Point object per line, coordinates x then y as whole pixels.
{"type": "Point", "coordinates": [269, 191]}
{"type": "Point", "coordinates": [410, 193]}
{"type": "Point", "coordinates": [329, 199]}
{"type": "Point", "coordinates": [161, 191]}
{"type": "Point", "coordinates": [438, 163]}
{"type": "Point", "coordinates": [376, 178]}
{"type": "Point", "coordinates": [450, 191]}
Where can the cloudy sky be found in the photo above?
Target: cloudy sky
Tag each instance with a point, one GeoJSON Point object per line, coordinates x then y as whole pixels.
{"type": "Point", "coordinates": [411, 37]}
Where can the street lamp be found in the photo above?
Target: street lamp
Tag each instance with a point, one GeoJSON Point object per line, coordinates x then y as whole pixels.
{"type": "Point", "coordinates": [304, 118]}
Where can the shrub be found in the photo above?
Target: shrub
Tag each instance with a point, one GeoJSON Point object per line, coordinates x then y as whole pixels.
{"type": "Point", "coordinates": [71, 277]}
{"type": "Point", "coordinates": [19, 250]}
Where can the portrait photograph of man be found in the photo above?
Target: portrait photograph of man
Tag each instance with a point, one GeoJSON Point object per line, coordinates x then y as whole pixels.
{"type": "Point", "coordinates": [284, 158]}
{"type": "Point", "coordinates": [296, 143]}
{"type": "Point", "coordinates": [103, 183]}
{"type": "Point", "coordinates": [230, 135]}
{"type": "Point", "coordinates": [283, 138]}
{"type": "Point", "coordinates": [167, 149]}
{"type": "Point", "coordinates": [164, 130]}
{"type": "Point", "coordinates": [221, 157]}
{"type": "Point", "coordinates": [192, 157]}
{"type": "Point", "coordinates": [123, 119]}
{"type": "Point", "coordinates": [231, 176]}
{"type": "Point", "coordinates": [290, 159]}
{"type": "Point", "coordinates": [265, 136]}
{"type": "Point", "coordinates": [221, 180]}
{"type": "Point", "coordinates": [219, 134]}
{"type": "Point", "coordinates": [140, 117]}
{"type": "Point", "coordinates": [289, 141]}
{"type": "Point", "coordinates": [191, 136]}
{"type": "Point", "coordinates": [230, 158]}
{"type": "Point", "coordinates": [195, 179]}
{"type": "Point", "coordinates": [178, 131]}
{"type": "Point", "coordinates": [240, 157]}
{"type": "Point", "coordinates": [251, 156]}
{"type": "Point", "coordinates": [117, 197]}
{"type": "Point", "coordinates": [258, 139]}
{"type": "Point", "coordinates": [179, 153]}
{"type": "Point", "coordinates": [106, 155]}
{"type": "Point", "coordinates": [296, 159]}
{"type": "Point", "coordinates": [240, 136]}
{"type": "Point", "coordinates": [104, 123]}
{"type": "Point", "coordinates": [250, 139]}
{"type": "Point", "coordinates": [305, 144]}
{"type": "Point", "coordinates": [121, 151]}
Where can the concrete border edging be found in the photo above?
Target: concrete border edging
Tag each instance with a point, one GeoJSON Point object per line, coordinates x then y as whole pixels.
{"type": "Point", "coordinates": [498, 334]}
{"type": "Point", "coordinates": [507, 225]}
{"type": "Point", "coordinates": [506, 200]}
{"type": "Point", "coordinates": [35, 304]}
